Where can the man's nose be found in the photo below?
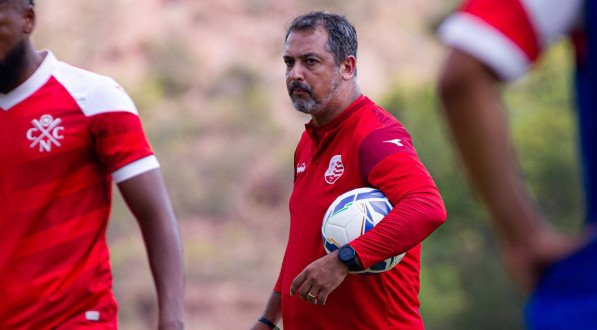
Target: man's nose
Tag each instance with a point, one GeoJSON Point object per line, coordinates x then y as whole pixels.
{"type": "Point", "coordinates": [296, 73]}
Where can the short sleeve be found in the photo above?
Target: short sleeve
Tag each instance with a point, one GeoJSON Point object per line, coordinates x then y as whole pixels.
{"type": "Point", "coordinates": [121, 145]}
{"type": "Point", "coordinates": [116, 130]}
{"type": "Point", "coordinates": [107, 96]}
{"type": "Point", "coordinates": [509, 35]}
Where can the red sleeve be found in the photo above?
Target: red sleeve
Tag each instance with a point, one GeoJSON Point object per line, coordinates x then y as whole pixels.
{"type": "Point", "coordinates": [510, 18]}
{"type": "Point", "coordinates": [119, 139]}
{"type": "Point", "coordinates": [389, 163]}
{"type": "Point", "coordinates": [278, 286]}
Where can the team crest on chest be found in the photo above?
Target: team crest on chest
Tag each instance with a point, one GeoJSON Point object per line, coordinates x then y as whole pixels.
{"type": "Point", "coordinates": [335, 169]}
{"type": "Point", "coordinates": [45, 133]}
{"type": "Point", "coordinates": [301, 167]}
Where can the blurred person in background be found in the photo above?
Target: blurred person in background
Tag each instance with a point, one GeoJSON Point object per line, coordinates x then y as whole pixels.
{"type": "Point", "coordinates": [348, 131]}
{"type": "Point", "coordinates": [492, 42]}
{"type": "Point", "coordinates": [67, 134]}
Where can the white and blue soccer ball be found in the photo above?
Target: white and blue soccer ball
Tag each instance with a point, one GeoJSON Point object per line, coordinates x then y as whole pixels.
{"type": "Point", "coordinates": [351, 215]}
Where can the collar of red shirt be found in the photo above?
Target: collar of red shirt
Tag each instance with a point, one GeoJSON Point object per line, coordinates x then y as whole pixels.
{"type": "Point", "coordinates": [318, 133]}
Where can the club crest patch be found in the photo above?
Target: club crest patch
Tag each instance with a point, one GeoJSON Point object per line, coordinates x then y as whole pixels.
{"type": "Point", "coordinates": [45, 133]}
{"type": "Point", "coordinates": [335, 169]}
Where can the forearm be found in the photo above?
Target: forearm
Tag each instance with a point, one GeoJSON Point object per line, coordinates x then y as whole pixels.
{"type": "Point", "coordinates": [407, 225]}
{"type": "Point", "coordinates": [271, 314]}
{"type": "Point", "coordinates": [147, 198]}
{"type": "Point", "coordinates": [273, 308]}
{"type": "Point", "coordinates": [165, 258]}
{"type": "Point", "coordinates": [477, 121]}
{"type": "Point", "coordinates": [418, 208]}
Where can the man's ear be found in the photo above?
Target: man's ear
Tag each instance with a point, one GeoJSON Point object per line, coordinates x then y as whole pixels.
{"type": "Point", "coordinates": [29, 19]}
{"type": "Point", "coordinates": [348, 67]}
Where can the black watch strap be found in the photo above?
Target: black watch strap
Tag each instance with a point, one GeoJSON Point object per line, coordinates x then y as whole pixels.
{"type": "Point", "coordinates": [348, 256]}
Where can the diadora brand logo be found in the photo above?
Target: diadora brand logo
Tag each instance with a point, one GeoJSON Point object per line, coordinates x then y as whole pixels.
{"type": "Point", "coordinates": [335, 169]}
{"type": "Point", "coordinates": [397, 142]}
{"type": "Point", "coordinates": [45, 133]}
{"type": "Point", "coordinates": [300, 168]}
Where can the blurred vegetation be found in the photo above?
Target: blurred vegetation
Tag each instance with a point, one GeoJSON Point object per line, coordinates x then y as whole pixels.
{"type": "Point", "coordinates": [463, 283]}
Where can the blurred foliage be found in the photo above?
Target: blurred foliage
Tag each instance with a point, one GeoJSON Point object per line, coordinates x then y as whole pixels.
{"type": "Point", "coordinates": [173, 67]}
{"type": "Point", "coordinates": [464, 285]}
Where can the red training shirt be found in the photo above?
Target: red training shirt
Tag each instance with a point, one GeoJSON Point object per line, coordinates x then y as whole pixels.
{"type": "Point", "coordinates": [363, 147]}
{"type": "Point", "coordinates": [66, 133]}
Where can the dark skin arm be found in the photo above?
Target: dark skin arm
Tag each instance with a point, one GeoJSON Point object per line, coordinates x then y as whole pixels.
{"type": "Point", "coordinates": [147, 198]}
{"type": "Point", "coordinates": [470, 95]}
{"type": "Point", "coordinates": [272, 312]}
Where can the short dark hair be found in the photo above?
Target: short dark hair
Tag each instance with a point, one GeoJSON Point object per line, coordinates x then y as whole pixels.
{"type": "Point", "coordinates": [342, 40]}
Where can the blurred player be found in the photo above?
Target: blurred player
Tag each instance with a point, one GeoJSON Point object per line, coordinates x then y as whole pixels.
{"type": "Point", "coordinates": [498, 41]}
{"type": "Point", "coordinates": [66, 135]}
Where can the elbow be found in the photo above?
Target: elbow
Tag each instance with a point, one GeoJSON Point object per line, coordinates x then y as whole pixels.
{"type": "Point", "coordinates": [431, 211]}
{"type": "Point", "coordinates": [438, 217]}
{"type": "Point", "coordinates": [436, 214]}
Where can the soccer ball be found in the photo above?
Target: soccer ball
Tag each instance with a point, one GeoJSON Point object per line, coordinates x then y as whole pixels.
{"type": "Point", "coordinates": [351, 215]}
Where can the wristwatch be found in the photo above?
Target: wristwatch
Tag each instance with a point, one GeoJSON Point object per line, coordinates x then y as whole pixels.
{"type": "Point", "coordinates": [348, 256]}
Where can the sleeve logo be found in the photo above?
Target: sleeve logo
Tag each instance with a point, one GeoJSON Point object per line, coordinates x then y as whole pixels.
{"type": "Point", "coordinates": [335, 169]}
{"type": "Point", "coordinates": [45, 133]}
{"type": "Point", "coordinates": [397, 142]}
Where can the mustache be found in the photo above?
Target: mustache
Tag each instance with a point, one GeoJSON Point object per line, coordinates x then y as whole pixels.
{"type": "Point", "coordinates": [297, 85]}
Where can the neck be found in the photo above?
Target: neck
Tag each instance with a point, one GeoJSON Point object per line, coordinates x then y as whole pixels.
{"type": "Point", "coordinates": [31, 60]}
{"type": "Point", "coordinates": [343, 100]}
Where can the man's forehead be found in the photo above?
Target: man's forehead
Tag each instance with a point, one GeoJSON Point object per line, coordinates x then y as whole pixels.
{"type": "Point", "coordinates": [307, 41]}
{"type": "Point", "coordinates": [317, 32]}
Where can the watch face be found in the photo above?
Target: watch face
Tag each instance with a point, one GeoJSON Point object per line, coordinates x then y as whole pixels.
{"type": "Point", "coordinates": [346, 253]}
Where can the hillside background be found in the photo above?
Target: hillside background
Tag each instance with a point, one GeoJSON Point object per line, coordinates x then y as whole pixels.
{"type": "Point", "coordinates": [208, 79]}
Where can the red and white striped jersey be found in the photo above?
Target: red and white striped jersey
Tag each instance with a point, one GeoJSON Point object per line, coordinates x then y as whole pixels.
{"type": "Point", "coordinates": [66, 134]}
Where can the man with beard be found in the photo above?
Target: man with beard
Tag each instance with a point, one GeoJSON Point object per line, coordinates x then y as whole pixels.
{"type": "Point", "coordinates": [315, 290]}
{"type": "Point", "coordinates": [67, 134]}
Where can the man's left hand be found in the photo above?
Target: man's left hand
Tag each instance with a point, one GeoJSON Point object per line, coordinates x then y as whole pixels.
{"type": "Point", "coordinates": [319, 279]}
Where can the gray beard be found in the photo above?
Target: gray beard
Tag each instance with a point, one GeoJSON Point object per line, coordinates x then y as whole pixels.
{"type": "Point", "coordinates": [312, 106]}
{"type": "Point", "coordinates": [305, 106]}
